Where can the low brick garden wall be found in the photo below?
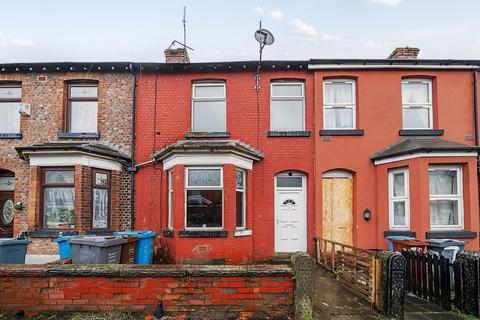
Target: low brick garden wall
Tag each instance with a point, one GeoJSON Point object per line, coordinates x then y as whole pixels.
{"type": "Point", "coordinates": [210, 292]}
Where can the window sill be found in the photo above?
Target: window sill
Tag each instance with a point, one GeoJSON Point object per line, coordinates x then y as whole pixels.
{"type": "Point", "coordinates": [402, 233]}
{"type": "Point", "coordinates": [242, 233]}
{"type": "Point", "coordinates": [67, 135]}
{"type": "Point", "coordinates": [168, 233]}
{"type": "Point", "coordinates": [10, 136]}
{"type": "Point", "coordinates": [427, 132]}
{"type": "Point", "coordinates": [50, 233]}
{"type": "Point", "coordinates": [334, 132]}
{"type": "Point", "coordinates": [99, 232]}
{"type": "Point", "coordinates": [288, 134]}
{"type": "Point", "coordinates": [206, 135]}
{"type": "Point", "coordinates": [460, 234]}
{"type": "Point", "coordinates": [202, 234]}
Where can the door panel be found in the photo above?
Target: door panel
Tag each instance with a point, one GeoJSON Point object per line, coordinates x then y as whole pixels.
{"type": "Point", "coordinates": [6, 214]}
{"type": "Point", "coordinates": [337, 199]}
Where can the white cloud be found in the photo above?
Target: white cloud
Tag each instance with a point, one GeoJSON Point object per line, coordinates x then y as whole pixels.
{"type": "Point", "coordinates": [378, 44]}
{"type": "Point", "coordinates": [258, 11]}
{"type": "Point", "coordinates": [15, 42]}
{"type": "Point", "coordinates": [386, 2]}
{"type": "Point", "coordinates": [276, 14]}
{"type": "Point", "coordinates": [302, 28]}
{"type": "Point", "coordinates": [99, 38]}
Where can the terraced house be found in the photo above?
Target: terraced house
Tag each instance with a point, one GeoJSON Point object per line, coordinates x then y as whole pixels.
{"type": "Point", "coordinates": [65, 145]}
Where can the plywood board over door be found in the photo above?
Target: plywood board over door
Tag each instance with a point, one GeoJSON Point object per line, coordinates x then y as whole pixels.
{"type": "Point", "coordinates": [337, 199]}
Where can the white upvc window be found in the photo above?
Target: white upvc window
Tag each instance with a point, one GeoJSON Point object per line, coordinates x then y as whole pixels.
{"type": "Point", "coordinates": [446, 197]}
{"type": "Point", "coordinates": [399, 199]}
{"type": "Point", "coordinates": [204, 198]}
{"type": "Point", "coordinates": [240, 188]}
{"type": "Point", "coordinates": [209, 107]}
{"type": "Point", "coordinates": [417, 104]}
{"type": "Point", "coordinates": [339, 106]}
{"type": "Point", "coordinates": [170, 199]}
{"type": "Point", "coordinates": [287, 106]}
{"type": "Point", "coordinates": [10, 99]}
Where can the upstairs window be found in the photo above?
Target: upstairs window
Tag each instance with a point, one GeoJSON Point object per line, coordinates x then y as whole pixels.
{"type": "Point", "coordinates": [82, 114]}
{"type": "Point", "coordinates": [339, 104]}
{"type": "Point", "coordinates": [209, 107]}
{"type": "Point", "coordinates": [399, 202]}
{"type": "Point", "coordinates": [287, 106]}
{"type": "Point", "coordinates": [10, 98]}
{"type": "Point", "coordinates": [446, 198]}
{"type": "Point", "coordinates": [417, 104]}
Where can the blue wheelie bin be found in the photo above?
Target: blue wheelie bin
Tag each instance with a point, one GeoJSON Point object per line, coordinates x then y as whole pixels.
{"type": "Point", "coordinates": [144, 247]}
{"type": "Point", "coordinates": [64, 246]}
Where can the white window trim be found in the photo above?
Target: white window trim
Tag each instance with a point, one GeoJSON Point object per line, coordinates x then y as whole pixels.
{"type": "Point", "coordinates": [458, 197]}
{"type": "Point", "coordinates": [428, 106]}
{"type": "Point", "coordinates": [170, 199]}
{"type": "Point", "coordinates": [244, 199]}
{"type": "Point", "coordinates": [13, 86]}
{"type": "Point", "coordinates": [290, 174]}
{"type": "Point", "coordinates": [290, 98]}
{"type": "Point", "coordinates": [187, 187]}
{"type": "Point", "coordinates": [392, 199]}
{"type": "Point", "coordinates": [224, 98]}
{"type": "Point", "coordinates": [341, 105]}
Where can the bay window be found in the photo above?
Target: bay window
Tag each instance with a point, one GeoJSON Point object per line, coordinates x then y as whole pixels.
{"type": "Point", "coordinates": [417, 104]}
{"type": "Point", "coordinates": [82, 114]}
{"type": "Point", "coordinates": [339, 104]}
{"type": "Point", "coordinates": [58, 187]}
{"type": "Point", "coordinates": [209, 107]}
{"type": "Point", "coordinates": [446, 197]}
{"type": "Point", "coordinates": [101, 199]}
{"type": "Point", "coordinates": [399, 202]}
{"type": "Point", "coordinates": [204, 198]}
{"type": "Point", "coordinates": [240, 199]}
{"type": "Point", "coordinates": [287, 106]}
{"type": "Point", "coordinates": [10, 98]}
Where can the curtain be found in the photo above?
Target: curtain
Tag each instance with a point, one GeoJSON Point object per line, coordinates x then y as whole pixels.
{"type": "Point", "coordinates": [444, 211]}
{"type": "Point", "coordinates": [399, 185]}
{"type": "Point", "coordinates": [83, 116]}
{"type": "Point", "coordinates": [9, 117]}
{"type": "Point", "coordinates": [59, 207]}
{"type": "Point", "coordinates": [399, 213]}
{"type": "Point", "coordinates": [443, 182]}
{"type": "Point", "coordinates": [416, 117]}
{"type": "Point", "coordinates": [338, 92]}
{"type": "Point", "coordinates": [100, 208]}
{"type": "Point", "coordinates": [415, 93]}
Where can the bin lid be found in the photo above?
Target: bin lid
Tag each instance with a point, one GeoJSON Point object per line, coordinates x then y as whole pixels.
{"type": "Point", "coordinates": [399, 238]}
{"type": "Point", "coordinates": [10, 241]}
{"type": "Point", "coordinates": [99, 241]}
{"type": "Point", "coordinates": [445, 243]}
{"type": "Point", "coordinates": [64, 238]}
{"type": "Point", "coordinates": [138, 234]}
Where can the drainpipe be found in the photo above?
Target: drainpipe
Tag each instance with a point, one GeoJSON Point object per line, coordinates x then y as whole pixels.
{"type": "Point", "coordinates": [132, 169]}
{"type": "Point", "coordinates": [475, 103]}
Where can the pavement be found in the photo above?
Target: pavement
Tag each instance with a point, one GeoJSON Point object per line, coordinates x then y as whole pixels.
{"type": "Point", "coordinates": [40, 258]}
{"type": "Point", "coordinates": [334, 301]}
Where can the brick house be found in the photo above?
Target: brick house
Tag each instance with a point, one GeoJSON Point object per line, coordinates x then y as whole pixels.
{"type": "Point", "coordinates": [64, 155]}
{"type": "Point", "coordinates": [217, 169]}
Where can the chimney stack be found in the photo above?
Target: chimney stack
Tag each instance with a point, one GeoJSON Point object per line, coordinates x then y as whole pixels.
{"type": "Point", "coordinates": [405, 53]}
{"type": "Point", "coordinates": [178, 55]}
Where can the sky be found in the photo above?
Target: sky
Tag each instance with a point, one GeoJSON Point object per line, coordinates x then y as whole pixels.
{"type": "Point", "coordinates": [128, 30]}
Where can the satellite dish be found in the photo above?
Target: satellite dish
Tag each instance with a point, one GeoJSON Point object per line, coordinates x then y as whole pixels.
{"type": "Point", "coordinates": [264, 37]}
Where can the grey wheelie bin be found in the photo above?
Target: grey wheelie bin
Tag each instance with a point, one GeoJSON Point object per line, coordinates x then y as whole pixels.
{"type": "Point", "coordinates": [13, 250]}
{"type": "Point", "coordinates": [96, 250]}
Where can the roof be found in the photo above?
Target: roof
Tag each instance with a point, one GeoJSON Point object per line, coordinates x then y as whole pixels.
{"type": "Point", "coordinates": [210, 146]}
{"type": "Point", "coordinates": [421, 144]}
{"type": "Point", "coordinates": [97, 148]}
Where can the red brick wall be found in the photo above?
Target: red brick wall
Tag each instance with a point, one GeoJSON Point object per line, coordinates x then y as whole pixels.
{"type": "Point", "coordinates": [208, 296]}
{"type": "Point", "coordinates": [169, 119]}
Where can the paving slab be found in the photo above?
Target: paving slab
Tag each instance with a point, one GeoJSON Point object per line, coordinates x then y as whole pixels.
{"type": "Point", "coordinates": [41, 258]}
{"type": "Point", "coordinates": [419, 309]}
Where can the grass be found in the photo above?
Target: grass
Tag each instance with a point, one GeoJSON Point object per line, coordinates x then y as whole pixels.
{"type": "Point", "coordinates": [106, 315]}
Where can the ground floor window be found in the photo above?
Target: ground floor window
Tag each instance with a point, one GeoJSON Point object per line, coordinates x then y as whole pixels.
{"type": "Point", "coordinates": [240, 199]}
{"type": "Point", "coordinates": [204, 197]}
{"type": "Point", "coordinates": [398, 192]}
{"type": "Point", "coordinates": [58, 198]}
{"type": "Point", "coordinates": [446, 197]}
{"type": "Point", "coordinates": [101, 197]}
{"type": "Point", "coordinates": [170, 200]}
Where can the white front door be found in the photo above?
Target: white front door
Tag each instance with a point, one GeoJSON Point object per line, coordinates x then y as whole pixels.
{"type": "Point", "coordinates": [290, 213]}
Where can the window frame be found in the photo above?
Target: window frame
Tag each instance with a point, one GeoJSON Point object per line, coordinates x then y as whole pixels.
{"type": "Point", "coordinates": [459, 197]}
{"type": "Point", "coordinates": [418, 105]}
{"type": "Point", "coordinates": [194, 99]}
{"type": "Point", "coordinates": [341, 105]}
{"type": "Point", "coordinates": [13, 100]}
{"type": "Point", "coordinates": [187, 187]}
{"type": "Point", "coordinates": [109, 189]}
{"type": "Point", "coordinates": [68, 117]}
{"type": "Point", "coordinates": [244, 199]}
{"type": "Point", "coordinates": [170, 199]}
{"type": "Point", "coordinates": [44, 185]}
{"type": "Point", "coordinates": [288, 98]}
{"type": "Point", "coordinates": [392, 199]}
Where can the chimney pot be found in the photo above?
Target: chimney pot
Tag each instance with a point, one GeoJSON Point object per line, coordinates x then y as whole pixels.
{"type": "Point", "coordinates": [178, 55]}
{"type": "Point", "coordinates": [404, 53]}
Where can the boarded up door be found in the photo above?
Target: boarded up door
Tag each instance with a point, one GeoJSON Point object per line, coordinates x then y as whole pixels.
{"type": "Point", "coordinates": [337, 209]}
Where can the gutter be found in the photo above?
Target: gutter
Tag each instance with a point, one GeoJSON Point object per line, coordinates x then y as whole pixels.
{"type": "Point", "coordinates": [132, 169]}
{"type": "Point", "coordinates": [389, 66]}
